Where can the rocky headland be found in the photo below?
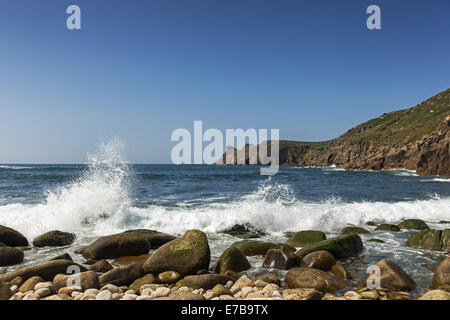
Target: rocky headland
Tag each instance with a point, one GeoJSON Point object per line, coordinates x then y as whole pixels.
{"type": "Point", "coordinates": [415, 139]}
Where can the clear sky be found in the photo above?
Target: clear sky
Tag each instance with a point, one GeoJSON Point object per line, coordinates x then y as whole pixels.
{"type": "Point", "coordinates": [139, 69]}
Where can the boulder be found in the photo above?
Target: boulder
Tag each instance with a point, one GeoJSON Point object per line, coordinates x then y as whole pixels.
{"type": "Point", "coordinates": [101, 266]}
{"type": "Point", "coordinates": [413, 224]}
{"type": "Point", "coordinates": [435, 295]}
{"type": "Point", "coordinates": [244, 231]}
{"type": "Point", "coordinates": [255, 248]}
{"type": "Point", "coordinates": [387, 227]}
{"type": "Point", "coordinates": [438, 240]}
{"type": "Point", "coordinates": [122, 276]}
{"type": "Point", "coordinates": [321, 259]}
{"type": "Point", "coordinates": [205, 281]}
{"type": "Point", "coordinates": [340, 247]}
{"type": "Point", "coordinates": [283, 258]}
{"type": "Point", "coordinates": [392, 277]}
{"type": "Point", "coordinates": [116, 245]}
{"type": "Point", "coordinates": [12, 238]}
{"type": "Point", "coordinates": [357, 230]}
{"type": "Point", "coordinates": [5, 291]}
{"type": "Point", "coordinates": [232, 259]}
{"type": "Point", "coordinates": [85, 280]}
{"type": "Point", "coordinates": [46, 270]}
{"type": "Point", "coordinates": [10, 256]}
{"type": "Point", "coordinates": [155, 238]}
{"type": "Point", "coordinates": [138, 283]}
{"type": "Point", "coordinates": [54, 238]}
{"type": "Point", "coordinates": [30, 283]}
{"type": "Point", "coordinates": [302, 238]}
{"type": "Point", "coordinates": [185, 255]}
{"type": "Point", "coordinates": [314, 279]}
{"type": "Point", "coordinates": [442, 274]}
{"type": "Point", "coordinates": [129, 260]}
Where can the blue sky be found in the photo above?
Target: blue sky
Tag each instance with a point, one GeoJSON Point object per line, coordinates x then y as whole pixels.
{"type": "Point", "coordinates": [140, 69]}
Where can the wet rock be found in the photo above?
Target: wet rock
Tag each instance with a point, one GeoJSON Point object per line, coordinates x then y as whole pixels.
{"type": "Point", "coordinates": [121, 276]}
{"type": "Point", "coordinates": [321, 259]}
{"type": "Point", "coordinates": [138, 283]}
{"type": "Point", "coordinates": [352, 295]}
{"type": "Point", "coordinates": [438, 240]}
{"type": "Point", "coordinates": [255, 248]}
{"type": "Point", "coordinates": [387, 227]}
{"type": "Point", "coordinates": [46, 270]}
{"type": "Point", "coordinates": [220, 289]}
{"type": "Point", "coordinates": [442, 274]}
{"type": "Point", "coordinates": [435, 295]}
{"type": "Point", "coordinates": [315, 279]}
{"type": "Point", "coordinates": [155, 238]}
{"type": "Point", "coordinates": [283, 258]}
{"type": "Point", "coordinates": [340, 247]}
{"type": "Point", "coordinates": [413, 224]}
{"type": "Point", "coordinates": [10, 256]}
{"type": "Point", "coordinates": [357, 230]}
{"type": "Point", "coordinates": [182, 295]}
{"type": "Point", "coordinates": [101, 266]}
{"type": "Point", "coordinates": [244, 231]}
{"type": "Point", "coordinates": [12, 238]}
{"type": "Point", "coordinates": [64, 256]}
{"type": "Point", "coordinates": [169, 277]}
{"type": "Point", "coordinates": [116, 245]}
{"type": "Point", "coordinates": [392, 277]}
{"type": "Point", "coordinates": [232, 259]}
{"type": "Point", "coordinates": [376, 240]}
{"type": "Point", "coordinates": [302, 238]}
{"type": "Point", "coordinates": [370, 295]}
{"type": "Point", "coordinates": [85, 280]}
{"type": "Point", "coordinates": [205, 281]}
{"type": "Point", "coordinates": [341, 272]}
{"type": "Point", "coordinates": [54, 238]}
{"type": "Point", "coordinates": [185, 255]}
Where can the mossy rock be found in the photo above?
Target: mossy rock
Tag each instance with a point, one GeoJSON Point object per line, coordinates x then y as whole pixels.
{"type": "Point", "coordinates": [438, 240]}
{"type": "Point", "coordinates": [232, 259]}
{"type": "Point", "coordinates": [340, 247]}
{"type": "Point", "coordinates": [413, 224]}
{"type": "Point", "coordinates": [357, 230]}
{"type": "Point", "coordinates": [387, 227]}
{"type": "Point", "coordinates": [302, 238]}
{"type": "Point", "coordinates": [138, 283]}
{"type": "Point", "coordinates": [186, 255]}
{"type": "Point", "coordinates": [10, 256]}
{"type": "Point", "coordinates": [255, 248]}
{"type": "Point", "coordinates": [371, 223]}
{"type": "Point", "coordinates": [54, 238]}
{"type": "Point", "coordinates": [341, 272]}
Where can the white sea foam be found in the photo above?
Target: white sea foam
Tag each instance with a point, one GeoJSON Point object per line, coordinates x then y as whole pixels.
{"type": "Point", "coordinates": [99, 203]}
{"type": "Point", "coordinates": [9, 167]}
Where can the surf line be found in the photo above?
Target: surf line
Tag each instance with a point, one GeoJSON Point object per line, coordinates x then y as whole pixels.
{"type": "Point", "coordinates": [193, 310]}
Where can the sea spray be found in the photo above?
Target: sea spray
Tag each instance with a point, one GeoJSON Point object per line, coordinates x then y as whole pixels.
{"type": "Point", "coordinates": [97, 201]}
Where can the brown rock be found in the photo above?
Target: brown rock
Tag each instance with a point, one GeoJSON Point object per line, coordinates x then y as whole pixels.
{"type": "Point", "coordinates": [303, 294]}
{"type": "Point", "coordinates": [12, 238]}
{"type": "Point", "coordinates": [5, 292]}
{"type": "Point", "coordinates": [101, 266]}
{"type": "Point", "coordinates": [321, 259]}
{"type": "Point", "coordinates": [442, 274]}
{"type": "Point", "coordinates": [121, 276]}
{"type": "Point", "coordinates": [283, 258]}
{"type": "Point", "coordinates": [30, 283]}
{"type": "Point", "coordinates": [86, 280]}
{"type": "Point", "coordinates": [138, 283]}
{"type": "Point", "coordinates": [205, 281]}
{"type": "Point", "coordinates": [315, 279]}
{"type": "Point", "coordinates": [129, 260]}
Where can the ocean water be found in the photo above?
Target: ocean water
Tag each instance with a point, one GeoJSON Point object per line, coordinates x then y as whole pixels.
{"type": "Point", "coordinates": [108, 195]}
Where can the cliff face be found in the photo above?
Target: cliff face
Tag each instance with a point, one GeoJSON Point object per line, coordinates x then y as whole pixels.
{"type": "Point", "coordinates": [416, 139]}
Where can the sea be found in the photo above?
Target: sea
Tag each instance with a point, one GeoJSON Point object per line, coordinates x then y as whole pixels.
{"type": "Point", "coordinates": [108, 194]}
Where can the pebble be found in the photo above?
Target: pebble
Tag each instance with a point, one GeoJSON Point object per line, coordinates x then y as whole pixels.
{"type": "Point", "coordinates": [92, 292]}
{"type": "Point", "coordinates": [87, 297]}
{"type": "Point", "coordinates": [161, 292]}
{"type": "Point", "coordinates": [43, 292]}
{"type": "Point", "coordinates": [111, 288]}
{"type": "Point", "coordinates": [144, 297]}
{"type": "Point", "coordinates": [44, 285]}
{"type": "Point", "coordinates": [226, 297]}
{"type": "Point", "coordinates": [129, 292]}
{"type": "Point", "coordinates": [246, 290]}
{"type": "Point", "coordinates": [69, 290]}
{"type": "Point", "coordinates": [104, 295]}
{"type": "Point", "coordinates": [14, 289]}
{"type": "Point", "coordinates": [147, 292]}
{"type": "Point", "coordinates": [260, 283]}
{"type": "Point", "coordinates": [76, 294]}
{"type": "Point", "coordinates": [372, 295]}
{"type": "Point", "coordinates": [209, 295]}
{"type": "Point", "coordinates": [17, 296]}
{"type": "Point", "coordinates": [31, 296]}
{"type": "Point", "coordinates": [352, 295]}
{"type": "Point", "coordinates": [129, 296]}
{"type": "Point", "coordinates": [118, 296]}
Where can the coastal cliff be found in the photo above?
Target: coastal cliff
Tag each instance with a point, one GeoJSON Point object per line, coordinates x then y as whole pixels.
{"type": "Point", "coordinates": [416, 139]}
